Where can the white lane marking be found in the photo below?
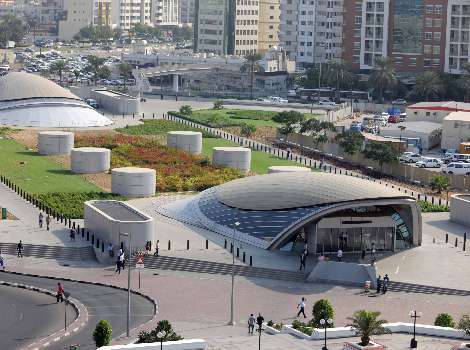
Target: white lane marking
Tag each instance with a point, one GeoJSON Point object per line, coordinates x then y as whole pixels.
{"type": "Point", "coordinates": [398, 269]}
{"type": "Point", "coordinates": [21, 317]}
{"type": "Point", "coordinates": [57, 339]}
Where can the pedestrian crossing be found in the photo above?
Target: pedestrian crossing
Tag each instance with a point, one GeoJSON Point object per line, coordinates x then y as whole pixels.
{"type": "Point", "coordinates": [51, 252]}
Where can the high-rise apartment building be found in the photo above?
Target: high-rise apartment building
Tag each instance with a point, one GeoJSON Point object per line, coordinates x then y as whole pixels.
{"type": "Point", "coordinates": [102, 13]}
{"type": "Point", "coordinates": [288, 27]}
{"type": "Point", "coordinates": [268, 24]}
{"type": "Point", "coordinates": [131, 12]}
{"type": "Point", "coordinates": [165, 12]}
{"type": "Point", "coordinates": [457, 42]}
{"type": "Point", "coordinates": [226, 27]}
{"type": "Point", "coordinates": [186, 12]}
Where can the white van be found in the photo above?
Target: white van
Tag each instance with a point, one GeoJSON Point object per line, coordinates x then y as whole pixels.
{"type": "Point", "coordinates": [457, 168]}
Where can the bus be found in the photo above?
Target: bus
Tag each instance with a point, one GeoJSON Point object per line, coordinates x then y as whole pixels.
{"type": "Point", "coordinates": [330, 94]}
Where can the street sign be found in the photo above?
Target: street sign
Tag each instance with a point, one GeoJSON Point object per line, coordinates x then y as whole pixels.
{"type": "Point", "coordinates": [140, 261]}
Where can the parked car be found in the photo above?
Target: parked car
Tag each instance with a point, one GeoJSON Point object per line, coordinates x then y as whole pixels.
{"type": "Point", "coordinates": [92, 103]}
{"type": "Point", "coordinates": [356, 126]}
{"type": "Point", "coordinates": [426, 162]}
{"type": "Point", "coordinates": [393, 118]}
{"type": "Point", "coordinates": [399, 101]}
{"type": "Point", "coordinates": [409, 157]}
{"type": "Point", "coordinates": [457, 168]}
{"type": "Point", "coordinates": [379, 120]}
{"type": "Point", "coordinates": [326, 103]}
{"type": "Point", "coordinates": [460, 157]}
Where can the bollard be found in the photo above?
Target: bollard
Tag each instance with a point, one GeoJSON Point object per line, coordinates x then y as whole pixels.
{"type": "Point", "coordinates": [231, 247]}
{"type": "Point", "coordinates": [456, 242]}
{"type": "Point", "coordinates": [70, 223]}
{"type": "Point", "coordinates": [440, 201]}
{"type": "Point", "coordinates": [238, 252]}
{"type": "Point", "coordinates": [169, 245]}
{"type": "Point", "coordinates": [447, 238]}
{"type": "Point", "coordinates": [434, 240]}
{"type": "Point", "coordinates": [251, 260]}
{"type": "Point", "coordinates": [73, 225]}
{"type": "Point", "coordinates": [432, 200]}
{"type": "Point", "coordinates": [97, 242]}
{"type": "Point", "coordinates": [83, 232]}
{"type": "Point", "coordinates": [207, 244]}
{"type": "Point", "coordinates": [61, 219]}
{"type": "Point", "coordinates": [92, 239]}
{"type": "Point", "coordinates": [464, 241]}
{"type": "Point", "coordinates": [225, 244]}
{"type": "Point", "coordinates": [87, 236]}
{"type": "Point", "coordinates": [102, 247]}
{"type": "Point", "coordinates": [78, 229]}
{"type": "Point", "coordinates": [187, 244]}
{"type": "Point", "coordinates": [243, 256]}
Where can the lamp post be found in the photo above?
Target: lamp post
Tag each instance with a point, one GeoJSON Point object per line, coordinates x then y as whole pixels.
{"type": "Point", "coordinates": [231, 323]}
{"type": "Point", "coordinates": [414, 315]}
{"type": "Point", "coordinates": [161, 335]}
{"type": "Point", "coordinates": [325, 323]}
{"type": "Point", "coordinates": [128, 283]}
{"type": "Point", "coordinates": [66, 295]}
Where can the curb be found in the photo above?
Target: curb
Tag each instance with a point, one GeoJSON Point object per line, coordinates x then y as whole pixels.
{"type": "Point", "coordinates": [149, 298]}
{"type": "Point", "coordinates": [79, 322]}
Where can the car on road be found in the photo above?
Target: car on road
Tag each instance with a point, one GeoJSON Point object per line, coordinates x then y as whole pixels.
{"type": "Point", "coordinates": [457, 158]}
{"type": "Point", "coordinates": [457, 168]}
{"type": "Point", "coordinates": [409, 157]}
{"type": "Point", "coordinates": [399, 101]}
{"type": "Point", "coordinates": [326, 103]}
{"type": "Point", "coordinates": [92, 103]}
{"type": "Point", "coordinates": [393, 119]}
{"type": "Point", "coordinates": [277, 99]}
{"type": "Point", "coordinates": [356, 126]}
{"type": "Point", "coordinates": [426, 162]}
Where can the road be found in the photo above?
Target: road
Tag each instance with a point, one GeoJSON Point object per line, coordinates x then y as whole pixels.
{"type": "Point", "coordinates": [23, 309]}
{"type": "Point", "coordinates": [101, 302]}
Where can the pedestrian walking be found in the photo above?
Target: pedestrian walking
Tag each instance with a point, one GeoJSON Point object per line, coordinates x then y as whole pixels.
{"type": "Point", "coordinates": [363, 254]}
{"type": "Point", "coordinates": [301, 307]}
{"type": "Point", "coordinates": [148, 247]}
{"type": "Point", "coordinates": [386, 278]}
{"type": "Point", "coordinates": [157, 247]}
{"type": "Point", "coordinates": [122, 260]}
{"type": "Point", "coordinates": [2, 261]}
{"type": "Point", "coordinates": [48, 221]}
{"type": "Point", "coordinates": [72, 235]}
{"type": "Point", "coordinates": [385, 284]}
{"type": "Point", "coordinates": [40, 219]}
{"type": "Point", "coordinates": [379, 284]}
{"type": "Point", "coordinates": [60, 293]}
{"type": "Point", "coordinates": [302, 261]}
{"type": "Point", "coordinates": [111, 250]}
{"type": "Point", "coordinates": [259, 321]}
{"type": "Point", "coordinates": [251, 324]}
{"type": "Point", "coordinates": [340, 255]}
{"type": "Point", "coordinates": [118, 266]}
{"type": "Point", "coordinates": [19, 249]}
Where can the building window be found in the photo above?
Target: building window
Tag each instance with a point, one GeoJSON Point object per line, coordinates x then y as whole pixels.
{"type": "Point", "coordinates": [438, 9]}
{"type": "Point", "coordinates": [436, 50]}
{"type": "Point", "coordinates": [437, 36]}
{"type": "Point", "coordinates": [427, 49]}
{"type": "Point", "coordinates": [429, 9]}
{"type": "Point", "coordinates": [427, 36]}
{"type": "Point", "coordinates": [428, 22]}
{"type": "Point", "coordinates": [437, 22]}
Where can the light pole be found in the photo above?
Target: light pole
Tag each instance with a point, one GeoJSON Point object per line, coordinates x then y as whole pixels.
{"type": "Point", "coordinates": [66, 295]}
{"type": "Point", "coordinates": [414, 315]}
{"type": "Point", "coordinates": [129, 235]}
{"type": "Point", "coordinates": [161, 335]}
{"type": "Point", "coordinates": [326, 322]}
{"type": "Point", "coordinates": [231, 323]}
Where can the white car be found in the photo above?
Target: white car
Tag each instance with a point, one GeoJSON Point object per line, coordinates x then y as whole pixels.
{"type": "Point", "coordinates": [326, 103]}
{"type": "Point", "coordinates": [426, 162]}
{"type": "Point", "coordinates": [399, 101]}
{"type": "Point", "coordinates": [409, 157]}
{"type": "Point", "coordinates": [457, 168]}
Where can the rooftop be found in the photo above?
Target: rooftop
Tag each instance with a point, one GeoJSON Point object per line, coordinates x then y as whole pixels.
{"type": "Point", "coordinates": [442, 106]}
{"type": "Point", "coordinates": [419, 126]}
{"type": "Point", "coordinates": [458, 116]}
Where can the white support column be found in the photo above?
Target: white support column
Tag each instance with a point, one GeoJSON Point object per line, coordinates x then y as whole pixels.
{"type": "Point", "coordinates": [175, 83]}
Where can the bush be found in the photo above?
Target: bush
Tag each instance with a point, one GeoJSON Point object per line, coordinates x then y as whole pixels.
{"type": "Point", "coordinates": [160, 126]}
{"type": "Point", "coordinates": [322, 309]}
{"type": "Point", "coordinates": [218, 104]}
{"type": "Point", "coordinates": [151, 337]}
{"type": "Point", "coordinates": [247, 129]}
{"type": "Point", "coordinates": [270, 323]}
{"type": "Point", "coordinates": [302, 327]}
{"type": "Point", "coordinates": [186, 110]}
{"type": "Point", "coordinates": [427, 207]}
{"type": "Point", "coordinates": [440, 183]}
{"type": "Point", "coordinates": [464, 324]}
{"type": "Point", "coordinates": [444, 320]}
{"type": "Point", "coordinates": [102, 333]}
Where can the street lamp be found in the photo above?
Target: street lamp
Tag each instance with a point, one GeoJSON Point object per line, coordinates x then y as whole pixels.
{"type": "Point", "coordinates": [66, 295]}
{"type": "Point", "coordinates": [414, 315]}
{"type": "Point", "coordinates": [125, 234]}
{"type": "Point", "coordinates": [161, 335]}
{"type": "Point", "coordinates": [231, 323]}
{"type": "Point", "coordinates": [325, 323]}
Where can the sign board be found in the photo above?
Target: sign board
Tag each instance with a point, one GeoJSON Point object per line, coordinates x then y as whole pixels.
{"type": "Point", "coordinates": [140, 261]}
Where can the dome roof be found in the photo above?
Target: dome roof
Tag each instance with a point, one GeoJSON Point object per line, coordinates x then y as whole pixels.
{"type": "Point", "coordinates": [296, 190]}
{"type": "Point", "coordinates": [21, 85]}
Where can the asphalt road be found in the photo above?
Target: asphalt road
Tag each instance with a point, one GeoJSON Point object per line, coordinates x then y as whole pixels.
{"type": "Point", "coordinates": [101, 302]}
{"type": "Point", "coordinates": [21, 310]}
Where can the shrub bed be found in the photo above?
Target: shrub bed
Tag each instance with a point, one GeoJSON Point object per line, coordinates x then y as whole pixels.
{"type": "Point", "coordinates": [155, 127]}
{"type": "Point", "coordinates": [427, 207]}
{"type": "Point", "coordinates": [302, 327]}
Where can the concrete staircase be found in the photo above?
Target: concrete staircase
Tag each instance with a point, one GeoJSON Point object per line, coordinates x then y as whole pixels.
{"type": "Point", "coordinates": [51, 252]}
{"type": "Point", "coordinates": [210, 267]}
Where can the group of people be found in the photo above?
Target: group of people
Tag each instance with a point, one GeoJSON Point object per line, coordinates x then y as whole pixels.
{"type": "Point", "coordinates": [252, 321]}
{"type": "Point", "coordinates": [382, 284]}
{"type": "Point", "coordinates": [48, 221]}
{"type": "Point", "coordinates": [120, 262]}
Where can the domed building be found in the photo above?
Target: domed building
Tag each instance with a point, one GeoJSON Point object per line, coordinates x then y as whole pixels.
{"type": "Point", "coordinates": [29, 100]}
{"type": "Point", "coordinates": [286, 210]}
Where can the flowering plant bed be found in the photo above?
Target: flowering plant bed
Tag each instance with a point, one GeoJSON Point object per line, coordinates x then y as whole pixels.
{"type": "Point", "coordinates": [370, 346]}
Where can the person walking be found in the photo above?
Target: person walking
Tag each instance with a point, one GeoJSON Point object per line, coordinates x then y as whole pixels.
{"type": "Point", "coordinates": [40, 219]}
{"type": "Point", "coordinates": [157, 247]}
{"type": "Point", "coordinates": [385, 284]}
{"type": "Point", "coordinates": [72, 234]}
{"type": "Point", "coordinates": [48, 221]}
{"type": "Point", "coordinates": [251, 324]}
{"type": "Point", "coordinates": [340, 255]}
{"type": "Point", "coordinates": [301, 307]}
{"type": "Point", "coordinates": [111, 250]}
{"type": "Point", "coordinates": [379, 284]}
{"type": "Point", "coordinates": [118, 265]}
{"type": "Point", "coordinates": [19, 249]}
{"type": "Point", "coordinates": [122, 260]}
{"type": "Point", "coordinates": [302, 261]}
{"type": "Point", "coordinates": [60, 293]}
{"type": "Point", "coordinates": [2, 261]}
{"type": "Point", "coordinates": [363, 254]}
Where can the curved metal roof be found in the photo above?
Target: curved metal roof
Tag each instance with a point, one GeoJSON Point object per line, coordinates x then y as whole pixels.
{"type": "Point", "coordinates": [296, 190]}
{"type": "Point", "coordinates": [21, 85]}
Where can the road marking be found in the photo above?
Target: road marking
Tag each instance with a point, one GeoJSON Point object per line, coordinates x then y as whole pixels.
{"type": "Point", "coordinates": [398, 269]}
{"type": "Point", "coordinates": [46, 344]}
{"type": "Point", "coordinates": [75, 329]}
{"type": "Point", "coordinates": [21, 316]}
{"type": "Point", "coordinates": [66, 334]}
{"type": "Point", "coordinates": [56, 339]}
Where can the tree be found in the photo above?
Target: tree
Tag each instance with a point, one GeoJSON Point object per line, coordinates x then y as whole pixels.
{"type": "Point", "coordinates": [310, 79]}
{"type": "Point", "coordinates": [104, 72]}
{"type": "Point", "coordinates": [76, 73]}
{"type": "Point", "coordinates": [317, 129]}
{"type": "Point", "coordinates": [366, 323]}
{"type": "Point", "coordinates": [444, 320]}
{"type": "Point", "coordinates": [383, 76]}
{"type": "Point", "coordinates": [183, 33]}
{"type": "Point", "coordinates": [145, 31]}
{"type": "Point", "coordinates": [350, 141]}
{"type": "Point", "coordinates": [428, 85]}
{"type": "Point", "coordinates": [11, 29]}
{"type": "Point", "coordinates": [218, 104]}
{"type": "Point", "coordinates": [151, 337]}
{"type": "Point", "coordinates": [440, 183]}
{"type": "Point", "coordinates": [338, 74]}
{"type": "Point", "coordinates": [58, 67]}
{"type": "Point", "coordinates": [125, 69]}
{"type": "Point", "coordinates": [464, 324]}
{"type": "Point", "coordinates": [102, 333]}
{"type": "Point", "coordinates": [322, 309]}
{"type": "Point", "coordinates": [381, 152]}
{"type": "Point", "coordinates": [247, 129]}
{"type": "Point", "coordinates": [252, 66]}
{"type": "Point", "coordinates": [290, 121]}
{"type": "Point", "coordinates": [186, 110]}
{"type": "Point", "coordinates": [94, 65]}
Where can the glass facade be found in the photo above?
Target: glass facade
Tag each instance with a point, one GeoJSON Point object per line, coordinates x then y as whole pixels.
{"type": "Point", "coordinates": [408, 26]}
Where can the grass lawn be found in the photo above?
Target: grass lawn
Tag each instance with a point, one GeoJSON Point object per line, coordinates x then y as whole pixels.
{"type": "Point", "coordinates": [155, 127]}
{"type": "Point", "coordinates": [260, 161]}
{"type": "Point", "coordinates": [38, 174]}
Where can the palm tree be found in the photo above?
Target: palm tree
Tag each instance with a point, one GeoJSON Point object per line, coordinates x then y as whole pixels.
{"type": "Point", "coordinates": [366, 323]}
{"type": "Point", "coordinates": [125, 69]}
{"type": "Point", "coordinates": [338, 73]}
{"type": "Point", "coordinates": [464, 81]}
{"type": "Point", "coordinates": [252, 66]}
{"type": "Point", "coordinates": [383, 77]}
{"type": "Point", "coordinates": [58, 67]}
{"type": "Point", "coordinates": [94, 65]}
{"type": "Point", "coordinates": [428, 85]}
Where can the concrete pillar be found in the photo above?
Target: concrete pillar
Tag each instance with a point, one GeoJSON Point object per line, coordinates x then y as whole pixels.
{"type": "Point", "coordinates": [175, 82]}
{"type": "Point", "coordinates": [311, 235]}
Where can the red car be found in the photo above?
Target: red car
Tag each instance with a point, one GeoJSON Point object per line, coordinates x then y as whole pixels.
{"type": "Point", "coordinates": [394, 119]}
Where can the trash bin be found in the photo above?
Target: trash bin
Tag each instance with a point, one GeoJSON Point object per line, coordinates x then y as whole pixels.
{"type": "Point", "coordinates": [4, 213]}
{"type": "Point", "coordinates": [367, 286]}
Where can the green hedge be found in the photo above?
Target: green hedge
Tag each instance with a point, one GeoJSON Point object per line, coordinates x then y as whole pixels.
{"type": "Point", "coordinates": [427, 207]}
{"type": "Point", "coordinates": [156, 127]}
{"type": "Point", "coordinates": [70, 204]}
